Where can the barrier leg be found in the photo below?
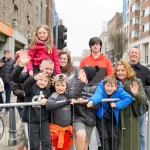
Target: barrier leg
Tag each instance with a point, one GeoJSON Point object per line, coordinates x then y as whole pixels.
{"type": "Point", "coordinates": [12, 127]}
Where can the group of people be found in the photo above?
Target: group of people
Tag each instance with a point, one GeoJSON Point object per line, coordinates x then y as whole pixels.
{"type": "Point", "coordinates": [71, 96]}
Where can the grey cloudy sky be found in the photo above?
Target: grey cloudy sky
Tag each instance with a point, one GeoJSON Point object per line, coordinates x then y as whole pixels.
{"type": "Point", "coordinates": [84, 19]}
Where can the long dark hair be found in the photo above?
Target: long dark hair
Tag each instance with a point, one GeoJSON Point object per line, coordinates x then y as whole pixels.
{"type": "Point", "coordinates": [69, 68]}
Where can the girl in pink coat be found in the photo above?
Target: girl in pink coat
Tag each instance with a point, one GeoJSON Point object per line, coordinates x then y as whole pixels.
{"type": "Point", "coordinates": [40, 48]}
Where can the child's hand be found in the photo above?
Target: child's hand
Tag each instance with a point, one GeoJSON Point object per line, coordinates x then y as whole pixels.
{"type": "Point", "coordinates": [31, 73]}
{"type": "Point", "coordinates": [80, 100]}
{"type": "Point", "coordinates": [43, 101]}
{"type": "Point", "coordinates": [90, 104]}
{"type": "Point", "coordinates": [113, 105]}
{"type": "Point", "coordinates": [73, 101]}
{"type": "Point", "coordinates": [40, 76]}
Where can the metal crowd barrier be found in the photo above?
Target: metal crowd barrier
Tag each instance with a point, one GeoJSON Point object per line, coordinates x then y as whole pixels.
{"type": "Point", "coordinates": [12, 121]}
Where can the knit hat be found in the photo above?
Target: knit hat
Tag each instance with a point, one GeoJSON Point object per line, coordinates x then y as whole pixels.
{"type": "Point", "coordinates": [60, 77]}
{"type": "Point", "coordinates": [90, 71]}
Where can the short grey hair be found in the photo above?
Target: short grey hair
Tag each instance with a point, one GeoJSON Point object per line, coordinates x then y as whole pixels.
{"type": "Point", "coordinates": [134, 47]}
{"type": "Point", "coordinates": [47, 61]}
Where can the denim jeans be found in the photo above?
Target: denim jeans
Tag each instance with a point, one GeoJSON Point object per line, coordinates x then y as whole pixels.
{"type": "Point", "coordinates": [142, 131]}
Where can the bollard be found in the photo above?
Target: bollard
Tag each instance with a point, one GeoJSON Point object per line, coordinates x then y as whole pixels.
{"type": "Point", "coordinates": [12, 127]}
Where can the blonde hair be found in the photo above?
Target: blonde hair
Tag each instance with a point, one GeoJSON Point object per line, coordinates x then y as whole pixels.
{"type": "Point", "coordinates": [48, 41]}
{"type": "Point", "coordinates": [129, 71]}
{"type": "Point", "coordinates": [47, 76]}
{"type": "Point", "coordinates": [110, 80]}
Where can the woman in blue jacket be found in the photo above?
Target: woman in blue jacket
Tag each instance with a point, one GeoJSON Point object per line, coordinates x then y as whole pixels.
{"type": "Point", "coordinates": [108, 112]}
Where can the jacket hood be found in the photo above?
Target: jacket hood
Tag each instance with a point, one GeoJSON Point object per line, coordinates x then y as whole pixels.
{"type": "Point", "coordinates": [101, 56]}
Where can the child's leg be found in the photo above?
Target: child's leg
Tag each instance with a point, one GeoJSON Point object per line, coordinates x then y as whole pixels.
{"type": "Point", "coordinates": [103, 135]}
{"type": "Point", "coordinates": [82, 135]}
{"type": "Point", "coordinates": [34, 139]}
{"type": "Point", "coordinates": [45, 136]}
{"type": "Point", "coordinates": [112, 135]}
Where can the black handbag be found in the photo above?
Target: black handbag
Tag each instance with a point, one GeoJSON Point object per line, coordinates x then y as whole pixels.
{"type": "Point", "coordinates": [139, 109]}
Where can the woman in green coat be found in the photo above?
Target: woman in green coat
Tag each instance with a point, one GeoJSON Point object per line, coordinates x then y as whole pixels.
{"type": "Point", "coordinates": [129, 130]}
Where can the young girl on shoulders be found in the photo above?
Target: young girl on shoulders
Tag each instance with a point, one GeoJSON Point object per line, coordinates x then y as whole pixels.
{"type": "Point", "coordinates": [41, 47]}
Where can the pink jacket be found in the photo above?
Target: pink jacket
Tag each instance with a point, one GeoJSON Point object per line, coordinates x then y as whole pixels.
{"type": "Point", "coordinates": [39, 53]}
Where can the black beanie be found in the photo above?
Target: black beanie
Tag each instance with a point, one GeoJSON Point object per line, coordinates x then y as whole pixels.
{"type": "Point", "coordinates": [90, 71]}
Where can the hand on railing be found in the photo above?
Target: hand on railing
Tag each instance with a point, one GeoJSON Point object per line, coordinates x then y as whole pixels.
{"type": "Point", "coordinates": [90, 104]}
{"type": "Point", "coordinates": [78, 101]}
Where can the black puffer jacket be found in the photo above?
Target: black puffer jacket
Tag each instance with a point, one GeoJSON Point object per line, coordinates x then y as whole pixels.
{"type": "Point", "coordinates": [6, 69]}
{"type": "Point", "coordinates": [81, 112]}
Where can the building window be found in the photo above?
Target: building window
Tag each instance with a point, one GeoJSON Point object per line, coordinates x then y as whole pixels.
{"type": "Point", "coordinates": [127, 17]}
{"type": "Point", "coordinates": [136, 6]}
{"type": "Point", "coordinates": [146, 12]}
{"type": "Point", "coordinates": [131, 22]}
{"type": "Point", "coordinates": [134, 34]}
{"type": "Point", "coordinates": [143, 13]}
{"type": "Point", "coordinates": [135, 20]}
{"type": "Point", "coordinates": [146, 27]}
{"type": "Point", "coordinates": [131, 10]}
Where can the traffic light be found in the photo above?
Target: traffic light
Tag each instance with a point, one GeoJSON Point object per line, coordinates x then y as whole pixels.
{"type": "Point", "coordinates": [62, 36]}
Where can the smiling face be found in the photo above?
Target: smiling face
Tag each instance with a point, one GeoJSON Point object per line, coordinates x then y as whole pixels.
{"type": "Point", "coordinates": [121, 73]}
{"type": "Point", "coordinates": [43, 82]}
{"type": "Point", "coordinates": [134, 55]}
{"type": "Point", "coordinates": [49, 68]}
{"type": "Point", "coordinates": [60, 87]}
{"type": "Point", "coordinates": [42, 34]}
{"type": "Point", "coordinates": [110, 88]}
{"type": "Point", "coordinates": [63, 60]}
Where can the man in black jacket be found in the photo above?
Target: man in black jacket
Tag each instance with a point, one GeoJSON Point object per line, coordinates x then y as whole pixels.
{"type": "Point", "coordinates": [142, 73]}
{"type": "Point", "coordinates": [6, 67]}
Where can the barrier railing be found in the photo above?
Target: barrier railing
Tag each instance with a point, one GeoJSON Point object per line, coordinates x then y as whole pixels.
{"type": "Point", "coordinates": [12, 140]}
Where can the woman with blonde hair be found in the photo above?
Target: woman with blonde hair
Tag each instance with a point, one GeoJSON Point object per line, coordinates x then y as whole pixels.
{"type": "Point", "coordinates": [128, 131]}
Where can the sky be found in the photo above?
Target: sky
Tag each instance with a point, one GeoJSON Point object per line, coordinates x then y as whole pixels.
{"type": "Point", "coordinates": [84, 19]}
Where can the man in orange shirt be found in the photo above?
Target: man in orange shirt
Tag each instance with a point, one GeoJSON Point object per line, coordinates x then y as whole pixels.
{"type": "Point", "coordinates": [97, 58]}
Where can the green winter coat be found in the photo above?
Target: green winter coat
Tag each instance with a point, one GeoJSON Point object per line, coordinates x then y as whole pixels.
{"type": "Point", "coordinates": [129, 129]}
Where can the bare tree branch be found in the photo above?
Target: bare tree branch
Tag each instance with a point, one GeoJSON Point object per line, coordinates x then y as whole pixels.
{"type": "Point", "coordinates": [118, 41]}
